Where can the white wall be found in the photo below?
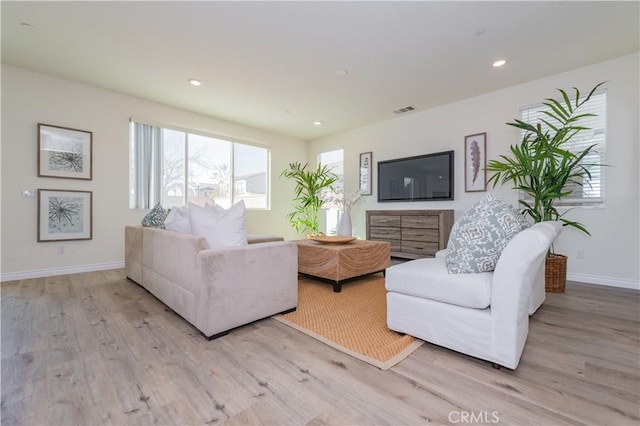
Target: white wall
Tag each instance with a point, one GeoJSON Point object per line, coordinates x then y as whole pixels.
{"type": "Point", "coordinates": [29, 98]}
{"type": "Point", "coordinates": [611, 254]}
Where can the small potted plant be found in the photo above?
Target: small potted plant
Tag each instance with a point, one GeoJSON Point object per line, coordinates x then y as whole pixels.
{"type": "Point", "coordinates": [544, 168]}
{"type": "Point", "coordinates": [307, 199]}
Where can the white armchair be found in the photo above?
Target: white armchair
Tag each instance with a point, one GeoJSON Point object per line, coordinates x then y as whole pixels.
{"type": "Point", "coordinates": [485, 315]}
{"type": "Point", "coordinates": [538, 291]}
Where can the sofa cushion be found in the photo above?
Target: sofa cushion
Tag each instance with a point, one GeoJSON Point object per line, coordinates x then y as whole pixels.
{"type": "Point", "coordinates": [155, 218]}
{"type": "Point", "coordinates": [221, 229]}
{"type": "Point", "coordinates": [429, 279]}
{"type": "Point", "coordinates": [479, 236]}
{"type": "Point", "coordinates": [178, 220]}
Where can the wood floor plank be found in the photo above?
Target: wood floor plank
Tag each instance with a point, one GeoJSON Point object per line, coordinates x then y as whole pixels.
{"type": "Point", "coordinates": [96, 348]}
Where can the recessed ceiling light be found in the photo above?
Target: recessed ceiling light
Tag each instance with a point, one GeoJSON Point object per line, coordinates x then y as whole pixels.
{"type": "Point", "coordinates": [499, 63]}
{"type": "Point", "coordinates": [317, 123]}
{"type": "Point", "coordinates": [195, 82]}
{"type": "Point", "coordinates": [342, 72]}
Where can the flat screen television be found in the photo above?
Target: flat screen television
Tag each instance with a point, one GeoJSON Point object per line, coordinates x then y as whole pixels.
{"type": "Point", "coordinates": [426, 177]}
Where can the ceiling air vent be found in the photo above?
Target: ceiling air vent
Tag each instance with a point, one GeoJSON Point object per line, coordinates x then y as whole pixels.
{"type": "Point", "coordinates": [404, 110]}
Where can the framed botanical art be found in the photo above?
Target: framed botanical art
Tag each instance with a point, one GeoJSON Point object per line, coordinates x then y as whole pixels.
{"type": "Point", "coordinates": [64, 152]}
{"type": "Point", "coordinates": [365, 173]}
{"type": "Point", "coordinates": [64, 215]}
{"type": "Point", "coordinates": [475, 161]}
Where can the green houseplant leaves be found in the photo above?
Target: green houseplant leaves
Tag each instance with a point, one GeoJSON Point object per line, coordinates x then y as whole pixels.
{"type": "Point", "coordinates": [542, 166]}
{"type": "Point", "coordinates": [307, 200]}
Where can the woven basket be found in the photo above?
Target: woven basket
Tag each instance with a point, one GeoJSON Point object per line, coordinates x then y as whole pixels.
{"type": "Point", "coordinates": [555, 274]}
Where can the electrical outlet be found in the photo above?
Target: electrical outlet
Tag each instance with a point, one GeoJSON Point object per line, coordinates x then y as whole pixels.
{"type": "Point", "coordinates": [28, 193]}
{"type": "Point", "coordinates": [60, 249]}
{"type": "Point", "coordinates": [580, 254]}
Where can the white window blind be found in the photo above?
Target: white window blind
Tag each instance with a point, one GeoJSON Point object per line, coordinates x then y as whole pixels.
{"type": "Point", "coordinates": [591, 193]}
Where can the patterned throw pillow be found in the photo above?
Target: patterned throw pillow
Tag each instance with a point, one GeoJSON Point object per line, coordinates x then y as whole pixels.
{"type": "Point", "coordinates": [479, 236]}
{"type": "Point", "coordinates": [155, 218]}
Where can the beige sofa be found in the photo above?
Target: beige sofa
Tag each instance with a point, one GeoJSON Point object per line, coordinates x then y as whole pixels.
{"type": "Point", "coordinates": [215, 290]}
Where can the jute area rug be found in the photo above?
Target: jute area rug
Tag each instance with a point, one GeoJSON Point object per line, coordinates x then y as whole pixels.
{"type": "Point", "coordinates": [353, 321]}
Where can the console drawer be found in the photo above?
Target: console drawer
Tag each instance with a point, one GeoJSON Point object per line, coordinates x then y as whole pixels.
{"type": "Point", "coordinates": [384, 232]}
{"type": "Point", "coordinates": [421, 248]}
{"type": "Point", "coordinates": [420, 234]}
{"type": "Point", "coordinates": [420, 222]}
{"type": "Point", "coordinates": [396, 245]}
{"type": "Point", "coordinates": [384, 220]}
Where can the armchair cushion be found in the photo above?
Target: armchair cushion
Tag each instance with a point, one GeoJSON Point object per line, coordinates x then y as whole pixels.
{"type": "Point", "coordinates": [479, 236]}
{"type": "Point", "coordinates": [429, 279]}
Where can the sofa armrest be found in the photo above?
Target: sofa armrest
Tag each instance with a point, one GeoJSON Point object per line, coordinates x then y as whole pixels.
{"type": "Point", "coordinates": [513, 279]}
{"type": "Point", "coordinates": [133, 253]}
{"type": "Point", "coordinates": [238, 285]}
{"type": "Point", "coordinates": [518, 267]}
{"type": "Point", "coordinates": [262, 238]}
{"type": "Point", "coordinates": [171, 257]}
{"type": "Point", "coordinates": [441, 254]}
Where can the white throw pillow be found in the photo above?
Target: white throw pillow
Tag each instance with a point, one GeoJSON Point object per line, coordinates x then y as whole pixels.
{"type": "Point", "coordinates": [178, 220]}
{"type": "Point", "coordinates": [218, 210]}
{"type": "Point", "coordinates": [221, 228]}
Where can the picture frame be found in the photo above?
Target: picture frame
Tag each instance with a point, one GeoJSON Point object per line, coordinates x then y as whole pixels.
{"type": "Point", "coordinates": [475, 162]}
{"type": "Point", "coordinates": [365, 172]}
{"type": "Point", "coordinates": [64, 215]}
{"type": "Point", "coordinates": [64, 152]}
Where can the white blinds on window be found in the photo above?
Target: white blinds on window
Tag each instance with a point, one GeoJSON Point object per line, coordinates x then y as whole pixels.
{"type": "Point", "coordinates": [591, 193]}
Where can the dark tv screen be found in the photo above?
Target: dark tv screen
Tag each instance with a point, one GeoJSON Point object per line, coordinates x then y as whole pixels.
{"type": "Point", "coordinates": [421, 178]}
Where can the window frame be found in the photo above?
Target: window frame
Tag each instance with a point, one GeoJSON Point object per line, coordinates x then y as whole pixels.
{"type": "Point", "coordinates": [185, 181]}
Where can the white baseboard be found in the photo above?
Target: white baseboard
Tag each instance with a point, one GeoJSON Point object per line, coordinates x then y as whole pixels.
{"type": "Point", "coordinates": [609, 282]}
{"type": "Point", "coordinates": [12, 276]}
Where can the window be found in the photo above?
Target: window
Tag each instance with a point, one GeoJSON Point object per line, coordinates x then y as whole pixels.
{"type": "Point", "coordinates": [250, 174]}
{"type": "Point", "coordinates": [591, 193]}
{"type": "Point", "coordinates": [334, 160]}
{"type": "Point", "coordinates": [174, 167]}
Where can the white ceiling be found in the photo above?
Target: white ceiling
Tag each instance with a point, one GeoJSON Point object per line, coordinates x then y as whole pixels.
{"type": "Point", "coordinates": [272, 65]}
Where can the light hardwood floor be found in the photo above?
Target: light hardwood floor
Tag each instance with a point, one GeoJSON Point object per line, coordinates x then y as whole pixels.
{"type": "Point", "coordinates": [96, 348]}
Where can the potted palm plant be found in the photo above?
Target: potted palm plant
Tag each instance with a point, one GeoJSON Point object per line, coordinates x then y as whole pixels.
{"type": "Point", "coordinates": [307, 199]}
{"type": "Point", "coordinates": [545, 169]}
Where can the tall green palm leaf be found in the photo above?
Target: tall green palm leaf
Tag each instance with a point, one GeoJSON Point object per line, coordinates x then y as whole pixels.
{"type": "Point", "coordinates": [541, 166]}
{"type": "Point", "coordinates": [307, 200]}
